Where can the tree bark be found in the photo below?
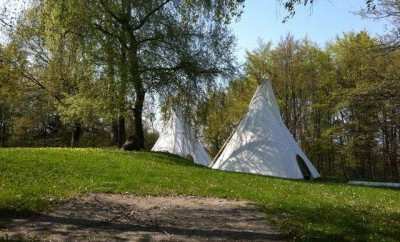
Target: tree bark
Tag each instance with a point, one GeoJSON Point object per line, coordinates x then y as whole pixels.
{"type": "Point", "coordinates": [3, 134]}
{"type": "Point", "coordinates": [138, 137]}
{"type": "Point", "coordinates": [119, 132]}
{"type": "Point", "coordinates": [3, 128]}
{"type": "Point", "coordinates": [76, 135]}
{"type": "Point", "coordinates": [394, 156]}
{"type": "Point", "coordinates": [137, 113]}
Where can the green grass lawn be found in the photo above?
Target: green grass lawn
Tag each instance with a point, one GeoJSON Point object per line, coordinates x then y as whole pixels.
{"type": "Point", "coordinates": [32, 179]}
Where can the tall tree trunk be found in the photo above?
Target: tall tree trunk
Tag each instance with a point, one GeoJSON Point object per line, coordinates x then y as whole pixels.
{"type": "Point", "coordinates": [76, 135]}
{"type": "Point", "coordinates": [3, 128]}
{"type": "Point", "coordinates": [394, 156]}
{"type": "Point", "coordinates": [139, 92]}
{"type": "Point", "coordinates": [3, 134]}
{"type": "Point", "coordinates": [119, 132]}
{"type": "Point", "coordinates": [385, 146]}
{"type": "Point", "coordinates": [137, 113]}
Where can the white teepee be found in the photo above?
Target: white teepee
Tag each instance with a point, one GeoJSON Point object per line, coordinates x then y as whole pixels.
{"type": "Point", "coordinates": [177, 137]}
{"type": "Point", "coordinates": [262, 144]}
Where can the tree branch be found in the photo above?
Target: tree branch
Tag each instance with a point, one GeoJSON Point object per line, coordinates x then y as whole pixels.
{"type": "Point", "coordinates": [148, 15]}
{"type": "Point", "coordinates": [106, 32]}
{"type": "Point", "coordinates": [40, 85]}
{"type": "Point", "coordinates": [32, 79]}
{"type": "Point", "coordinates": [119, 20]}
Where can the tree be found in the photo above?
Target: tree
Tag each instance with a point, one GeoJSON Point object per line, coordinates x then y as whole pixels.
{"type": "Point", "coordinates": [387, 9]}
{"type": "Point", "coordinates": [224, 109]}
{"type": "Point", "coordinates": [291, 5]}
{"type": "Point", "coordinates": [7, 93]}
{"type": "Point", "coordinates": [119, 51]}
{"type": "Point", "coordinates": [167, 47]}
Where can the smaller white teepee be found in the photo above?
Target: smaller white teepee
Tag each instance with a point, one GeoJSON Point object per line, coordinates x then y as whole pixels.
{"type": "Point", "coordinates": [177, 137]}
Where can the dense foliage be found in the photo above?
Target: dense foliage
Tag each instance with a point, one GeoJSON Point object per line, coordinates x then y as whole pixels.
{"type": "Point", "coordinates": [94, 62]}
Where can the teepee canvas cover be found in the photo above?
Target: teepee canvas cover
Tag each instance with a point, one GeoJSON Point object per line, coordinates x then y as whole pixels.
{"type": "Point", "coordinates": [178, 138]}
{"type": "Point", "coordinates": [262, 144]}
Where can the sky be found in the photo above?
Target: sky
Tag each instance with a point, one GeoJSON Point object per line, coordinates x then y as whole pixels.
{"type": "Point", "coordinates": [323, 22]}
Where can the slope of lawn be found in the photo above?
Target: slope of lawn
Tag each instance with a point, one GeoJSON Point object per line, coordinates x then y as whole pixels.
{"type": "Point", "coordinates": [31, 179]}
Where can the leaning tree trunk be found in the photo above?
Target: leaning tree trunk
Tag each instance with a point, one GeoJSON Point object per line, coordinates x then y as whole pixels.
{"type": "Point", "coordinates": [76, 135]}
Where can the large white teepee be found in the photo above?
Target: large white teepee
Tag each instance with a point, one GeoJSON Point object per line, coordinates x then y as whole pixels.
{"type": "Point", "coordinates": [262, 144]}
{"type": "Point", "coordinates": [177, 137]}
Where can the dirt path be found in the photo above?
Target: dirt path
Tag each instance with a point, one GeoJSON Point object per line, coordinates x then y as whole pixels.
{"type": "Point", "coordinates": [112, 217]}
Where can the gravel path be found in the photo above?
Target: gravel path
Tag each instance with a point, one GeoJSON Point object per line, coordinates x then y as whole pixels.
{"type": "Point", "coordinates": [116, 217]}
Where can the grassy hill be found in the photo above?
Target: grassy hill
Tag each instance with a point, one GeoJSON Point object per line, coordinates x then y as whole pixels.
{"type": "Point", "coordinates": [32, 179]}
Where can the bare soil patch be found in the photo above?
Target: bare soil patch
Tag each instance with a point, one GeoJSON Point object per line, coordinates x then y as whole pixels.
{"type": "Point", "coordinates": [116, 217]}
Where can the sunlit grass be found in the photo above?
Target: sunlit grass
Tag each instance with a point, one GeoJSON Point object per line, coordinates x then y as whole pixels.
{"type": "Point", "coordinates": [32, 179]}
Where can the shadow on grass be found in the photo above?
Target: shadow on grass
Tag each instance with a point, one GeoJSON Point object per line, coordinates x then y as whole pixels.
{"type": "Point", "coordinates": [172, 158]}
{"type": "Point", "coordinates": [337, 223]}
